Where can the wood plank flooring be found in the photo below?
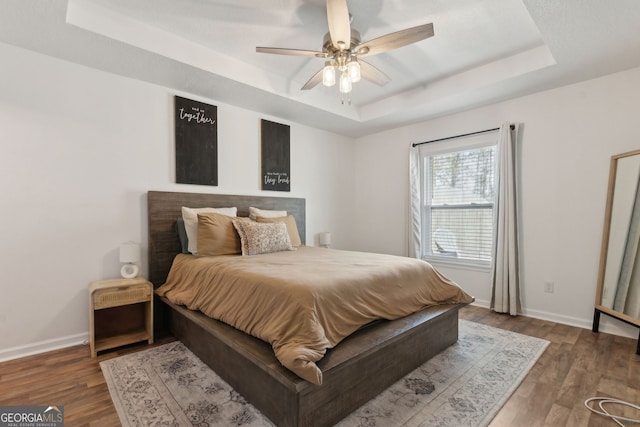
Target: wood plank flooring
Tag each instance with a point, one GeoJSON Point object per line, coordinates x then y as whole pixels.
{"type": "Point", "coordinates": [578, 364]}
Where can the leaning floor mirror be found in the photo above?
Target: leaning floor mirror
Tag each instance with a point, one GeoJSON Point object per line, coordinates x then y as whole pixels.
{"type": "Point", "coordinates": [618, 293]}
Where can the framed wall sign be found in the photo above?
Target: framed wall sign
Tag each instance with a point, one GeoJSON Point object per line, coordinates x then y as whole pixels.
{"type": "Point", "coordinates": [276, 163]}
{"type": "Point", "coordinates": [196, 126]}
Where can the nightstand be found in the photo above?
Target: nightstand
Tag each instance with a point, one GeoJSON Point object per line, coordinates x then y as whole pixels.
{"type": "Point", "coordinates": [121, 313]}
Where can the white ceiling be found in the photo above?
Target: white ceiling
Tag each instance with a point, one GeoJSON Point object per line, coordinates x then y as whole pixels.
{"type": "Point", "coordinates": [482, 52]}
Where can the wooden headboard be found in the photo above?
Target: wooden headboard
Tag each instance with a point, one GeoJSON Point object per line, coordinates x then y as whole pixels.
{"type": "Point", "coordinates": [165, 208]}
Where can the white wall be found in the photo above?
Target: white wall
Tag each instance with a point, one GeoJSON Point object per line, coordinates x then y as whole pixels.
{"type": "Point", "coordinates": [567, 138]}
{"type": "Point", "coordinates": [79, 149]}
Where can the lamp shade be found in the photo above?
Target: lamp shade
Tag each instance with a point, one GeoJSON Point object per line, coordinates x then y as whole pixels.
{"type": "Point", "coordinates": [130, 252]}
{"type": "Point", "coordinates": [325, 239]}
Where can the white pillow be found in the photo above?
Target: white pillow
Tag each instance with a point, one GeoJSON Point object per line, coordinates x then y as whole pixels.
{"type": "Point", "coordinates": [190, 217]}
{"type": "Point", "coordinates": [264, 213]}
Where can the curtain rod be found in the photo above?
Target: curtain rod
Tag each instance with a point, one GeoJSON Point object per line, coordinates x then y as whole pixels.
{"type": "Point", "coordinates": [415, 144]}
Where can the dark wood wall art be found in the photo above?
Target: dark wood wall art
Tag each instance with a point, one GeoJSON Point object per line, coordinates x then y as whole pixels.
{"type": "Point", "coordinates": [276, 159]}
{"type": "Point", "coordinates": [196, 127]}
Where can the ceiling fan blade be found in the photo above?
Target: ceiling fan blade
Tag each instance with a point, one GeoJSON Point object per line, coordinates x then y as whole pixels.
{"type": "Point", "coordinates": [339, 23]}
{"type": "Point", "coordinates": [313, 81]}
{"type": "Point", "coordinates": [395, 40]}
{"type": "Point", "coordinates": [371, 73]}
{"type": "Point", "coordinates": [294, 52]}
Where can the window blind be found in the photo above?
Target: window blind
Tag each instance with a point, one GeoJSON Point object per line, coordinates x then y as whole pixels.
{"type": "Point", "coordinates": [458, 209]}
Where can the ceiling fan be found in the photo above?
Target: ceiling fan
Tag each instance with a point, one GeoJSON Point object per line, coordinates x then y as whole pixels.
{"type": "Point", "coordinates": [342, 50]}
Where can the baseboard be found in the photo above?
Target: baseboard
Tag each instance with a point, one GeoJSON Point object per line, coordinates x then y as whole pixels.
{"type": "Point", "coordinates": [617, 328]}
{"type": "Point", "coordinates": [42, 346]}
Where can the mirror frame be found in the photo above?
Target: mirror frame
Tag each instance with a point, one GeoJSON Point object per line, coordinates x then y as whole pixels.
{"type": "Point", "coordinates": [606, 230]}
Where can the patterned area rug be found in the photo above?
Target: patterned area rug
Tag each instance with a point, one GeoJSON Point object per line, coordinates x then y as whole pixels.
{"type": "Point", "coordinates": [465, 385]}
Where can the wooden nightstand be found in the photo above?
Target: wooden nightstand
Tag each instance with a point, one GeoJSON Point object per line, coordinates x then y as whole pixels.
{"type": "Point", "coordinates": [121, 313]}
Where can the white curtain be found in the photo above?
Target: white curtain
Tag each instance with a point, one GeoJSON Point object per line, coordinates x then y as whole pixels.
{"type": "Point", "coordinates": [505, 268]}
{"type": "Point", "coordinates": [415, 214]}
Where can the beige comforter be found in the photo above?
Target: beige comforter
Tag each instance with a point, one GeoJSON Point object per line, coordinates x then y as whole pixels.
{"type": "Point", "coordinates": [305, 301]}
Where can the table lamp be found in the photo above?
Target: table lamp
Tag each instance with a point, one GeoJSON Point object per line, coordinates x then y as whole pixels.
{"type": "Point", "coordinates": [325, 239]}
{"type": "Point", "coordinates": [130, 255]}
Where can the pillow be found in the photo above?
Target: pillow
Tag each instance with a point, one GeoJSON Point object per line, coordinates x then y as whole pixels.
{"type": "Point", "coordinates": [217, 235]}
{"type": "Point", "coordinates": [182, 235]}
{"type": "Point", "coordinates": [190, 216]}
{"type": "Point", "coordinates": [292, 228]}
{"type": "Point", "coordinates": [264, 213]}
{"type": "Point", "coordinates": [261, 238]}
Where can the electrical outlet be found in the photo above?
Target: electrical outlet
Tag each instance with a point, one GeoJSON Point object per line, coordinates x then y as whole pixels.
{"type": "Point", "coordinates": [548, 287]}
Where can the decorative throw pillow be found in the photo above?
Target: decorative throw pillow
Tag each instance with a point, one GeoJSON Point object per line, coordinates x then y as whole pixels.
{"type": "Point", "coordinates": [265, 213]}
{"type": "Point", "coordinates": [217, 235]}
{"type": "Point", "coordinates": [261, 238]}
{"type": "Point", "coordinates": [292, 228]}
{"type": "Point", "coordinates": [190, 217]}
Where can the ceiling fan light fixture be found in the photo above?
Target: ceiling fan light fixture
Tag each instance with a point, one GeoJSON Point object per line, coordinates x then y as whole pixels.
{"type": "Point", "coordinates": [328, 74]}
{"type": "Point", "coordinates": [342, 49]}
{"type": "Point", "coordinates": [345, 83]}
{"type": "Point", "coordinates": [353, 68]}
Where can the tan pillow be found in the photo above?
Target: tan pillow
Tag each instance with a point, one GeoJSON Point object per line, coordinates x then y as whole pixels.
{"type": "Point", "coordinates": [217, 235]}
{"type": "Point", "coordinates": [190, 217]}
{"type": "Point", "coordinates": [257, 238]}
{"type": "Point", "coordinates": [265, 213]}
{"type": "Point", "coordinates": [292, 228]}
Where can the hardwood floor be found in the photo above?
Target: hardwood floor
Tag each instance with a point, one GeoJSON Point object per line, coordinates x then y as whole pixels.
{"type": "Point", "coordinates": [578, 364]}
{"type": "Point", "coordinates": [67, 377]}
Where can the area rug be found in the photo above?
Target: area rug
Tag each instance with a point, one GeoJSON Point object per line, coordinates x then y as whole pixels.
{"type": "Point", "coordinates": [465, 385]}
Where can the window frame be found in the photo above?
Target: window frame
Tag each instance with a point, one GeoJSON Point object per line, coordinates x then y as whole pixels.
{"type": "Point", "coordinates": [489, 139]}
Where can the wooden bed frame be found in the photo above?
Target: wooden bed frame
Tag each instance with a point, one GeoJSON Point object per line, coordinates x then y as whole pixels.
{"type": "Point", "coordinates": [355, 371]}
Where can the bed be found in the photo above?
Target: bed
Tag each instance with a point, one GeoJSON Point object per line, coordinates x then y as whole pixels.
{"type": "Point", "coordinates": [358, 368]}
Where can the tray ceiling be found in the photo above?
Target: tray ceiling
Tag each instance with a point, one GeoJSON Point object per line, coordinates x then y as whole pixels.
{"type": "Point", "coordinates": [482, 51]}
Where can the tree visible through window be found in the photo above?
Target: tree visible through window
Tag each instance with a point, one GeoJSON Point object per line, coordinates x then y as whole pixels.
{"type": "Point", "coordinates": [458, 196]}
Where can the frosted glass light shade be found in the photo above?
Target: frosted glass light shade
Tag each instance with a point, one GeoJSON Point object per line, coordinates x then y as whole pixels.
{"type": "Point", "coordinates": [353, 69]}
{"type": "Point", "coordinates": [345, 83]}
{"type": "Point", "coordinates": [328, 75]}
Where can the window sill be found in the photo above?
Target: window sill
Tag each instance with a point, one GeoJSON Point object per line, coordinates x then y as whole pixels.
{"type": "Point", "coordinates": [457, 264]}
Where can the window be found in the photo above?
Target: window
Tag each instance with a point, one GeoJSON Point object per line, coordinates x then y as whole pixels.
{"type": "Point", "coordinates": [457, 196]}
